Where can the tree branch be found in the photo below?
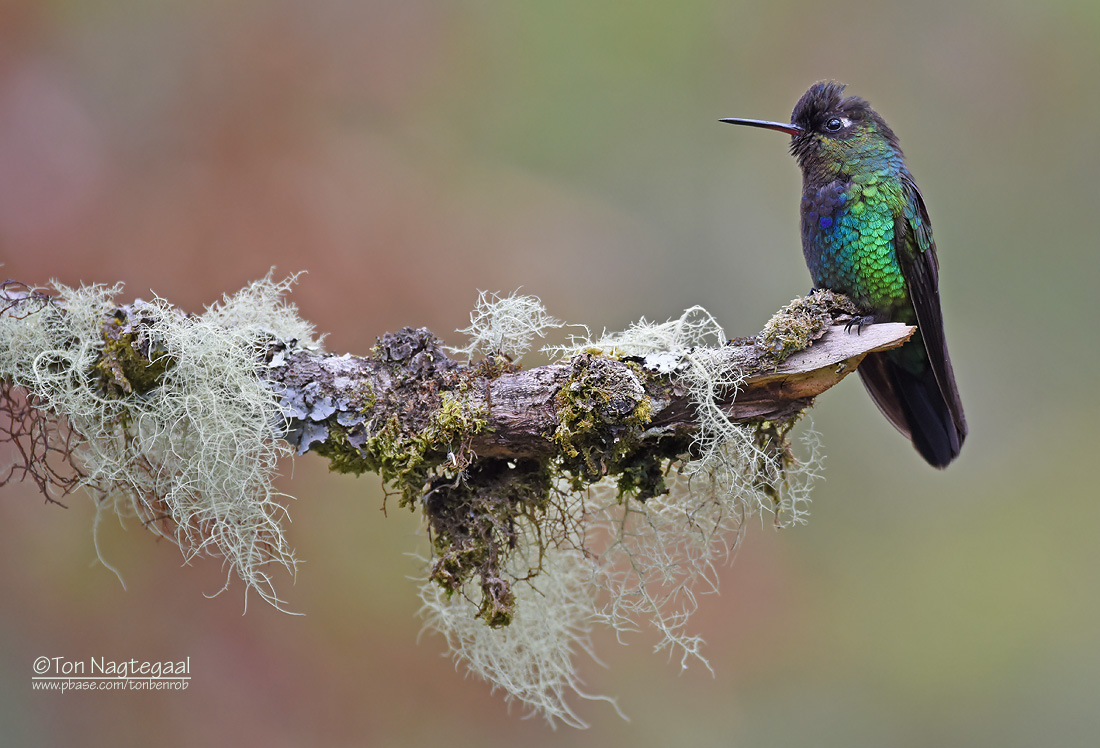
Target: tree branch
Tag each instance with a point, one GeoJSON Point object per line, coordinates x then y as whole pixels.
{"type": "Point", "coordinates": [402, 381]}
{"type": "Point", "coordinates": [167, 410]}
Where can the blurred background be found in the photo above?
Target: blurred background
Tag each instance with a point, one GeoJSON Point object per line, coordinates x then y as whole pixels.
{"type": "Point", "coordinates": [408, 153]}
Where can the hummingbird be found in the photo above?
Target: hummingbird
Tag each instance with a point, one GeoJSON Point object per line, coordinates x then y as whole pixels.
{"type": "Point", "coordinates": [866, 234]}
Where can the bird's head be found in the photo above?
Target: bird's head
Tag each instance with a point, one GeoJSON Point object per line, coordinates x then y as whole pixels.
{"type": "Point", "coordinates": [831, 133]}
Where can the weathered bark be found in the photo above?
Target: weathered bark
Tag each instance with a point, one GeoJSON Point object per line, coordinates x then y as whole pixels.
{"type": "Point", "coordinates": [409, 370]}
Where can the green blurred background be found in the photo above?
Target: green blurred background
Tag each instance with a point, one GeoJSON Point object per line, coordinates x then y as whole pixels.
{"type": "Point", "coordinates": [408, 153]}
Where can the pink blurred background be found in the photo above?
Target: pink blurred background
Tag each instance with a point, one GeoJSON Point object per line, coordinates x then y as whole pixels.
{"type": "Point", "coordinates": [409, 153]}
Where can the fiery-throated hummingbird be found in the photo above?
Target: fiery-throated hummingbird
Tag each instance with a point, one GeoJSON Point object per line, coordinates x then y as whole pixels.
{"type": "Point", "coordinates": [866, 234]}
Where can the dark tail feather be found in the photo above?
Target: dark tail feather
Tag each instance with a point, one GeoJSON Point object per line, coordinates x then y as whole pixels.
{"type": "Point", "coordinates": [916, 406]}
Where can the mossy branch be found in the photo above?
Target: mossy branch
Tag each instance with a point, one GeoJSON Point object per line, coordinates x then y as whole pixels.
{"type": "Point", "coordinates": [180, 420]}
{"type": "Point", "coordinates": [407, 411]}
{"type": "Point", "coordinates": [518, 413]}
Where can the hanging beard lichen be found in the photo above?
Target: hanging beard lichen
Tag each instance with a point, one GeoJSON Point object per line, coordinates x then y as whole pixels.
{"type": "Point", "coordinates": [166, 416]}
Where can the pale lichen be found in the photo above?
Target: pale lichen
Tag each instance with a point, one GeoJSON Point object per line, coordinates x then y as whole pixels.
{"type": "Point", "coordinates": [505, 326]}
{"type": "Point", "coordinates": [170, 421]}
{"type": "Point", "coordinates": [193, 451]}
{"type": "Point", "coordinates": [533, 659]}
{"type": "Point", "coordinates": [644, 536]}
{"type": "Point", "coordinates": [694, 328]}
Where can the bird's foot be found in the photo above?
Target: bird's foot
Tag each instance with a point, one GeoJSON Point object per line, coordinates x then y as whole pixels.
{"type": "Point", "coordinates": [858, 322]}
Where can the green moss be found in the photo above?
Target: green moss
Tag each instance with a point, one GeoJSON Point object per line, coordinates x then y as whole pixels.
{"type": "Point", "coordinates": [642, 476]}
{"type": "Point", "coordinates": [123, 369]}
{"type": "Point", "coordinates": [475, 525]}
{"type": "Point", "coordinates": [429, 430]}
{"type": "Point", "coordinates": [405, 459]}
{"type": "Point", "coordinates": [455, 420]}
{"type": "Point", "coordinates": [600, 418]}
{"type": "Point", "coordinates": [794, 327]}
{"type": "Point", "coordinates": [367, 396]}
{"type": "Point", "coordinates": [397, 458]}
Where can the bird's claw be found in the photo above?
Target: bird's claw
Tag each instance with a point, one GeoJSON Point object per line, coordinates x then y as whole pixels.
{"type": "Point", "coordinates": [858, 323]}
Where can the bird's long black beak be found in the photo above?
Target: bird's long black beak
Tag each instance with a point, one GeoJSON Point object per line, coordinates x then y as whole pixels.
{"type": "Point", "coordinates": [788, 128]}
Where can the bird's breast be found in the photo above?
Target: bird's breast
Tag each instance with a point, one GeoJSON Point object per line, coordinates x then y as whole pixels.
{"type": "Point", "coordinates": [848, 240]}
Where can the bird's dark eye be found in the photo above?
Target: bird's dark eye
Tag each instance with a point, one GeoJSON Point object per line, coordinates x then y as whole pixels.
{"type": "Point", "coordinates": [834, 124]}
